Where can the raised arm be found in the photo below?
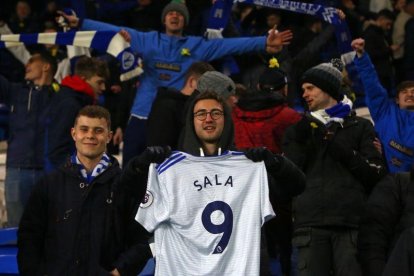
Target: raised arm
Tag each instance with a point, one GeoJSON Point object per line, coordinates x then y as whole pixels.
{"type": "Point", "coordinates": [376, 96]}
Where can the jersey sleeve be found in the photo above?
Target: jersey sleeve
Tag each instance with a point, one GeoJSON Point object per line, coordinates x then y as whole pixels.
{"type": "Point", "coordinates": [267, 210]}
{"type": "Point", "coordinates": [154, 209]}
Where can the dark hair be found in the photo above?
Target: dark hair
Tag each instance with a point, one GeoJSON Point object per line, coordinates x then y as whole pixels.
{"type": "Point", "coordinates": [386, 13]}
{"type": "Point", "coordinates": [95, 111]}
{"type": "Point", "coordinates": [404, 85]}
{"type": "Point", "coordinates": [210, 95]}
{"type": "Point", "coordinates": [89, 66]}
{"type": "Point", "coordinates": [197, 69]}
{"type": "Point", "coordinates": [46, 57]}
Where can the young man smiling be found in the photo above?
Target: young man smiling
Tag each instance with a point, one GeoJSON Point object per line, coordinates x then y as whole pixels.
{"type": "Point", "coordinates": [206, 154]}
{"type": "Point", "coordinates": [394, 121]}
{"type": "Point", "coordinates": [78, 217]}
{"type": "Point", "coordinates": [78, 90]}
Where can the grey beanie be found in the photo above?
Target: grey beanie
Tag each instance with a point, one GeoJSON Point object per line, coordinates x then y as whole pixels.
{"type": "Point", "coordinates": [326, 76]}
{"type": "Point", "coordinates": [216, 82]}
{"type": "Point", "coordinates": [178, 7]}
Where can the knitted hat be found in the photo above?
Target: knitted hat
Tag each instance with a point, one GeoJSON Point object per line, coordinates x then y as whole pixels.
{"type": "Point", "coordinates": [325, 76]}
{"type": "Point", "coordinates": [178, 6]}
{"type": "Point", "coordinates": [272, 79]}
{"type": "Point", "coordinates": [217, 82]}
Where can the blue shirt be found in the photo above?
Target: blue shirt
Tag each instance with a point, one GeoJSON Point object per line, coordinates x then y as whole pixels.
{"type": "Point", "coordinates": [163, 61]}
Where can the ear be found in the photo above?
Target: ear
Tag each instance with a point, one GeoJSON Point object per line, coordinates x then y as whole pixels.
{"type": "Point", "coordinates": [46, 67]}
{"type": "Point", "coordinates": [110, 135]}
{"type": "Point", "coordinates": [192, 81]}
{"type": "Point", "coordinates": [73, 132]}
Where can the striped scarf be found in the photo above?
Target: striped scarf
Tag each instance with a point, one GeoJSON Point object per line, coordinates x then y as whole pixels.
{"type": "Point", "coordinates": [105, 41]}
{"type": "Point", "coordinates": [99, 168]}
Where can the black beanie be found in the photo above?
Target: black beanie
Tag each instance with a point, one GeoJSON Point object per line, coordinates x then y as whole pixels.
{"type": "Point", "coordinates": [272, 79]}
{"type": "Point", "coordinates": [178, 7]}
{"type": "Point", "coordinates": [325, 76]}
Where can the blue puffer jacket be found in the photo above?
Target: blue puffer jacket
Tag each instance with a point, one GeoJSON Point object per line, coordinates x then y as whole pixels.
{"type": "Point", "coordinates": [28, 107]}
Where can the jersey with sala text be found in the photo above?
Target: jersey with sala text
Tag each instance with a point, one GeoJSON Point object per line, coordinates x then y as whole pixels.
{"type": "Point", "coordinates": [206, 214]}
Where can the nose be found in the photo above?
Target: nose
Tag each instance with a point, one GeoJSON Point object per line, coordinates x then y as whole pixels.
{"type": "Point", "coordinates": [175, 13]}
{"type": "Point", "coordinates": [208, 117]}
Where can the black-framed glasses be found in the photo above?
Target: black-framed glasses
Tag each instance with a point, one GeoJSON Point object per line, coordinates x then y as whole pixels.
{"type": "Point", "coordinates": [214, 114]}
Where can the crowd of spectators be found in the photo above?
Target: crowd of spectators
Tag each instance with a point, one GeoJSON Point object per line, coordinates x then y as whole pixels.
{"type": "Point", "coordinates": [286, 88]}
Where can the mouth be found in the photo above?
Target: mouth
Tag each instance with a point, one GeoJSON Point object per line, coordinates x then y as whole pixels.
{"type": "Point", "coordinates": [209, 128]}
{"type": "Point", "coordinates": [90, 144]}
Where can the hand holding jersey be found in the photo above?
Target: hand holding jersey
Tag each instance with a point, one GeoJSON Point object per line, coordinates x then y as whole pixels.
{"type": "Point", "coordinates": [206, 213]}
{"type": "Point", "coordinates": [154, 154]}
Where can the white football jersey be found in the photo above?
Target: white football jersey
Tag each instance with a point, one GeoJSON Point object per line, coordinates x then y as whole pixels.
{"type": "Point", "coordinates": [206, 214]}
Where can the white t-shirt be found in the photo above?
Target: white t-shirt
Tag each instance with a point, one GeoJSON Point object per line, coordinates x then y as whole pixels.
{"type": "Point", "coordinates": [206, 214]}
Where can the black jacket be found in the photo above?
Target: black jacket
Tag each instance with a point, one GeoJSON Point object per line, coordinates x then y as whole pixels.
{"type": "Point", "coordinates": [336, 186]}
{"type": "Point", "coordinates": [389, 211]}
{"type": "Point", "coordinates": [166, 117]}
{"type": "Point", "coordinates": [69, 228]}
{"type": "Point", "coordinates": [28, 107]}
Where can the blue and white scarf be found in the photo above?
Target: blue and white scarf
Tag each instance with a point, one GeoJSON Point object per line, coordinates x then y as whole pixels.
{"type": "Point", "coordinates": [106, 41]}
{"type": "Point", "coordinates": [99, 168]}
{"type": "Point", "coordinates": [337, 113]}
{"type": "Point", "coordinates": [221, 9]}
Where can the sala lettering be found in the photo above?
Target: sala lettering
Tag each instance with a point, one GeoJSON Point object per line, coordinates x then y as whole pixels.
{"type": "Point", "coordinates": [207, 182]}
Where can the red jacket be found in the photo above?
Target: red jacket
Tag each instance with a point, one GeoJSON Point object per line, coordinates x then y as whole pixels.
{"type": "Point", "coordinates": [263, 127]}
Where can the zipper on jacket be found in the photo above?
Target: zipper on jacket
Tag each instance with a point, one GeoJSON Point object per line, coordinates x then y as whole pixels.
{"type": "Point", "coordinates": [30, 99]}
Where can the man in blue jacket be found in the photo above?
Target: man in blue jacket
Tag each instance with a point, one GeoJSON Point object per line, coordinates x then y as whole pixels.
{"type": "Point", "coordinates": [166, 58]}
{"type": "Point", "coordinates": [28, 103]}
{"type": "Point", "coordinates": [394, 120]}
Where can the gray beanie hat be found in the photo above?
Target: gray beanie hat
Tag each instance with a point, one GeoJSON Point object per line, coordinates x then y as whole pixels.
{"type": "Point", "coordinates": [326, 76]}
{"type": "Point", "coordinates": [217, 82]}
{"type": "Point", "coordinates": [178, 7]}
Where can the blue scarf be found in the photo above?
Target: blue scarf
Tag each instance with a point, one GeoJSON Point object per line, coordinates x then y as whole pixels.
{"type": "Point", "coordinates": [336, 113]}
{"type": "Point", "coordinates": [99, 168]}
{"type": "Point", "coordinates": [104, 41]}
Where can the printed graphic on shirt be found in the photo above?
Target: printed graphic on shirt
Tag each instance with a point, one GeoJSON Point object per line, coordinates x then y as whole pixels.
{"type": "Point", "coordinates": [147, 201]}
{"type": "Point", "coordinates": [206, 214]}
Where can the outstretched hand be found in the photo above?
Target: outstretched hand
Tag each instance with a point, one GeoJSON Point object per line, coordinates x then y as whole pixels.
{"type": "Point", "coordinates": [125, 34]}
{"type": "Point", "coordinates": [71, 19]}
{"type": "Point", "coordinates": [276, 40]}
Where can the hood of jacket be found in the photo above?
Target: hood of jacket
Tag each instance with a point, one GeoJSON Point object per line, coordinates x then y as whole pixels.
{"type": "Point", "coordinates": [189, 141]}
{"type": "Point", "coordinates": [79, 85]}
